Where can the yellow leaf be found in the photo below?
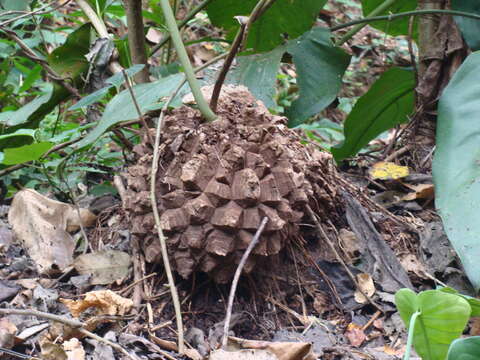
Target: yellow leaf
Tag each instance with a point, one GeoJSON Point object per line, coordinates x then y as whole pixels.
{"type": "Point", "coordinates": [388, 171]}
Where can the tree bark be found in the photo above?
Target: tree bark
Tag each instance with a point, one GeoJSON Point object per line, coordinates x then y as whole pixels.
{"type": "Point", "coordinates": [136, 38]}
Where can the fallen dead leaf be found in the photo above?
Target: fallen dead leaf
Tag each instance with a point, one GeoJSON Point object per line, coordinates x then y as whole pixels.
{"type": "Point", "coordinates": [281, 350]}
{"type": "Point", "coordinates": [411, 264]}
{"type": "Point", "coordinates": [242, 355]}
{"type": "Point", "coordinates": [74, 349]}
{"type": "Point", "coordinates": [105, 267]}
{"type": "Point", "coordinates": [106, 302]}
{"type": "Point", "coordinates": [349, 244]}
{"type": "Point", "coordinates": [365, 282]}
{"type": "Point", "coordinates": [42, 225]}
{"type": "Point", "coordinates": [355, 334]}
{"type": "Point", "coordinates": [52, 351]}
{"type": "Point", "coordinates": [7, 333]}
{"type": "Point", "coordinates": [388, 171]}
{"type": "Point", "coordinates": [420, 191]}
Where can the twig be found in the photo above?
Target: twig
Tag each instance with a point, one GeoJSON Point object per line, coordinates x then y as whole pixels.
{"type": "Point", "coordinates": [390, 17]}
{"type": "Point", "coordinates": [156, 215]}
{"type": "Point", "coordinates": [136, 38]}
{"type": "Point", "coordinates": [181, 24]}
{"type": "Point", "coordinates": [99, 25]}
{"type": "Point", "coordinates": [52, 74]}
{"type": "Point", "coordinates": [237, 43]}
{"type": "Point", "coordinates": [39, 11]}
{"type": "Point", "coordinates": [236, 277]}
{"type": "Point", "coordinates": [185, 61]}
{"type": "Point", "coordinates": [324, 235]}
{"type": "Point", "coordinates": [137, 107]}
{"type": "Point", "coordinates": [70, 322]}
{"type": "Point", "coordinates": [372, 320]}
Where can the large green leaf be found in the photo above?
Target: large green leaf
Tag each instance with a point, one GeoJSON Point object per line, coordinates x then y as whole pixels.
{"type": "Point", "coordinates": [121, 107]}
{"type": "Point", "coordinates": [284, 17]}
{"type": "Point", "coordinates": [465, 349]}
{"type": "Point", "coordinates": [470, 27]}
{"type": "Point", "coordinates": [394, 27]}
{"type": "Point", "coordinates": [388, 103]}
{"type": "Point", "coordinates": [320, 67]}
{"type": "Point", "coordinates": [474, 302]}
{"type": "Point", "coordinates": [456, 170]}
{"type": "Point", "coordinates": [22, 115]}
{"type": "Point", "coordinates": [442, 319]}
{"type": "Point", "coordinates": [258, 72]}
{"type": "Point", "coordinates": [69, 60]}
{"type": "Point", "coordinates": [13, 156]}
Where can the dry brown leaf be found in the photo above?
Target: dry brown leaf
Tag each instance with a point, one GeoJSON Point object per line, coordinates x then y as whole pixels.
{"type": "Point", "coordinates": [153, 35]}
{"type": "Point", "coordinates": [421, 191]}
{"type": "Point", "coordinates": [7, 333]}
{"type": "Point", "coordinates": [282, 350]}
{"type": "Point", "coordinates": [355, 334]}
{"type": "Point", "coordinates": [74, 349]}
{"type": "Point", "coordinates": [411, 264]}
{"type": "Point", "coordinates": [349, 244]}
{"type": "Point", "coordinates": [106, 302]}
{"type": "Point", "coordinates": [242, 355]}
{"type": "Point", "coordinates": [105, 267]}
{"type": "Point", "coordinates": [42, 225]}
{"type": "Point", "coordinates": [365, 282]}
{"type": "Point", "coordinates": [52, 351]}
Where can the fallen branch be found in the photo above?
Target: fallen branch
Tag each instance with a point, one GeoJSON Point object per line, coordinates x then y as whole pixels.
{"type": "Point", "coordinates": [236, 277]}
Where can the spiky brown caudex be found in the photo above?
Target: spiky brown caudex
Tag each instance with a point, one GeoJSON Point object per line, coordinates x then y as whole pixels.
{"type": "Point", "coordinates": [218, 180]}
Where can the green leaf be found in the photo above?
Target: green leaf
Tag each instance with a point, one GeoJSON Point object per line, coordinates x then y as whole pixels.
{"type": "Point", "coordinates": [388, 103]}
{"type": "Point", "coordinates": [23, 114]}
{"type": "Point", "coordinates": [258, 73]}
{"type": "Point", "coordinates": [115, 80]}
{"type": "Point", "coordinates": [470, 28]}
{"type": "Point", "coordinates": [14, 5]}
{"type": "Point", "coordinates": [320, 67]}
{"type": "Point", "coordinates": [395, 27]}
{"type": "Point", "coordinates": [456, 170]}
{"type": "Point", "coordinates": [13, 156]}
{"type": "Point", "coordinates": [474, 302]}
{"type": "Point", "coordinates": [290, 17]}
{"type": "Point", "coordinates": [69, 59]}
{"type": "Point", "coordinates": [465, 349]}
{"type": "Point", "coordinates": [29, 133]}
{"type": "Point", "coordinates": [121, 107]}
{"type": "Point", "coordinates": [30, 79]}
{"type": "Point", "coordinates": [442, 319]}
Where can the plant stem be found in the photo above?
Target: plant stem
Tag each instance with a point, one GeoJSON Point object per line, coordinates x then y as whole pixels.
{"type": "Point", "coordinates": [404, 14]}
{"type": "Point", "coordinates": [181, 24]}
{"type": "Point", "coordinates": [136, 38]}
{"type": "Point", "coordinates": [411, 330]}
{"type": "Point", "coordinates": [187, 66]}
{"type": "Point", "coordinates": [379, 9]}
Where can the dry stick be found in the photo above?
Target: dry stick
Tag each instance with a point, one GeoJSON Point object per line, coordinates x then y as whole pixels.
{"type": "Point", "coordinates": [52, 74]}
{"type": "Point", "coordinates": [136, 38]}
{"type": "Point", "coordinates": [137, 107]}
{"type": "Point", "coordinates": [181, 24]}
{"type": "Point", "coordinates": [156, 215]}
{"type": "Point", "coordinates": [324, 235]}
{"type": "Point", "coordinates": [226, 65]}
{"type": "Point", "coordinates": [238, 45]}
{"type": "Point", "coordinates": [70, 322]}
{"type": "Point", "coordinates": [119, 126]}
{"type": "Point", "coordinates": [236, 277]}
